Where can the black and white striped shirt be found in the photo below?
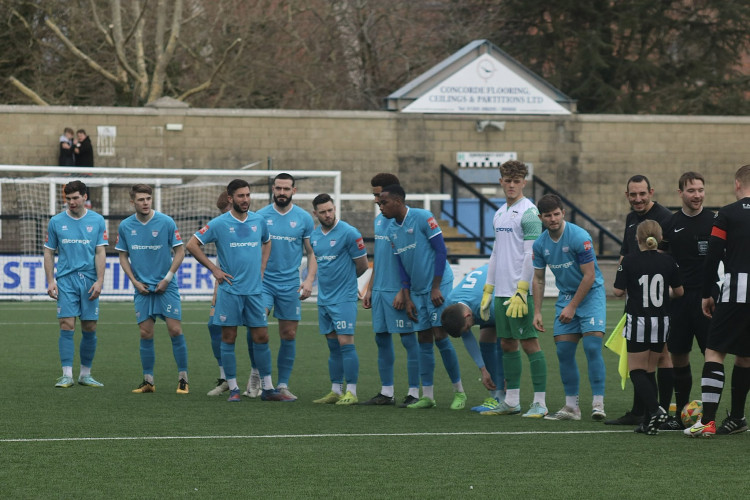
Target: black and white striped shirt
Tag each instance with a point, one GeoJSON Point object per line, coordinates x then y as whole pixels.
{"type": "Point", "coordinates": [730, 243]}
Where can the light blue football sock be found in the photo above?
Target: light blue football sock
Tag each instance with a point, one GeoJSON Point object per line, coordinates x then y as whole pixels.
{"type": "Point", "coordinates": [500, 369]}
{"type": "Point", "coordinates": [215, 332]}
{"type": "Point", "coordinates": [263, 359]}
{"type": "Point", "coordinates": [180, 352]}
{"type": "Point", "coordinates": [450, 359]}
{"type": "Point", "coordinates": [427, 363]}
{"type": "Point", "coordinates": [386, 358]}
{"type": "Point", "coordinates": [228, 360]}
{"type": "Point", "coordinates": [592, 347]}
{"type": "Point", "coordinates": [409, 341]}
{"type": "Point", "coordinates": [148, 356]}
{"type": "Point", "coordinates": [285, 360]}
{"type": "Point", "coordinates": [566, 355]}
{"type": "Point", "coordinates": [250, 350]}
{"type": "Point", "coordinates": [489, 356]}
{"type": "Point", "coordinates": [67, 347]}
{"type": "Point", "coordinates": [351, 363]}
{"type": "Point", "coordinates": [87, 349]}
{"type": "Point", "coordinates": [335, 361]}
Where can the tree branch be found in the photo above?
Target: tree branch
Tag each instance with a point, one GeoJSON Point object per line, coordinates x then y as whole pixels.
{"type": "Point", "coordinates": [203, 86]}
{"type": "Point", "coordinates": [27, 91]}
{"type": "Point", "coordinates": [79, 54]}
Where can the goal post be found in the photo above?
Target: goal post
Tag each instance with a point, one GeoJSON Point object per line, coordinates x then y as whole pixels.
{"type": "Point", "coordinates": [30, 195]}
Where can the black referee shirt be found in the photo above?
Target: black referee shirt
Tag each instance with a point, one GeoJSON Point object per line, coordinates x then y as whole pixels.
{"type": "Point", "coordinates": [629, 242]}
{"type": "Point", "coordinates": [686, 239]}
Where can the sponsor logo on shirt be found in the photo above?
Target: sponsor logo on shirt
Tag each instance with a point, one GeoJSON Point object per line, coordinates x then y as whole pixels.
{"type": "Point", "coordinates": [236, 244]}
{"type": "Point", "coordinates": [360, 243]}
{"type": "Point", "coordinates": [503, 229]}
{"type": "Point", "coordinates": [564, 265]}
{"type": "Point", "coordinates": [146, 247]}
{"type": "Point", "coordinates": [327, 258]}
{"type": "Point", "coordinates": [133, 232]}
{"type": "Point", "coordinates": [406, 248]}
{"type": "Point", "coordinates": [587, 245]}
{"type": "Point", "coordinates": [68, 241]}
{"type": "Point", "coordinates": [65, 227]}
{"type": "Point", "coordinates": [432, 222]}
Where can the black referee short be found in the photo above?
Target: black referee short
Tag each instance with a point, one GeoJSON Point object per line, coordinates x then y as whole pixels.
{"type": "Point", "coordinates": [687, 321]}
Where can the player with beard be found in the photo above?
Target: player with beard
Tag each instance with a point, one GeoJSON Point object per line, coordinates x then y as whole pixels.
{"type": "Point", "coordinates": [290, 227]}
{"type": "Point", "coordinates": [342, 258]}
{"type": "Point", "coordinates": [243, 246]}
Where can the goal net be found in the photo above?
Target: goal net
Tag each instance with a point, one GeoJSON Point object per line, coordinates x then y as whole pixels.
{"type": "Point", "coordinates": [29, 196]}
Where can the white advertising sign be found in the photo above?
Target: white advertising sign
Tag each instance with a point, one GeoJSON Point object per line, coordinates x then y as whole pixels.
{"type": "Point", "coordinates": [485, 85]}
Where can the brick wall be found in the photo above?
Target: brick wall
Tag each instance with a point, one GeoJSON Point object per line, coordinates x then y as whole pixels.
{"type": "Point", "coordinates": [587, 157]}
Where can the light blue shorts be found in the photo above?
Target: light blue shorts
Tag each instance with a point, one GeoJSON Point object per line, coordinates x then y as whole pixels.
{"type": "Point", "coordinates": [155, 305]}
{"type": "Point", "coordinates": [340, 318]}
{"type": "Point", "coordinates": [387, 319]}
{"type": "Point", "coordinates": [73, 298]}
{"type": "Point", "coordinates": [236, 310]}
{"type": "Point", "coordinates": [428, 315]}
{"type": "Point", "coordinates": [284, 301]}
{"type": "Point", "coordinates": [591, 314]}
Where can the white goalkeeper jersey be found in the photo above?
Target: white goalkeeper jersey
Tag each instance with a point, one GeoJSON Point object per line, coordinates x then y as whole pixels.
{"type": "Point", "coordinates": [513, 225]}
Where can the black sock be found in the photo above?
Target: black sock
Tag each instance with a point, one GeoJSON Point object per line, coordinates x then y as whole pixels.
{"type": "Point", "coordinates": [637, 406]}
{"type": "Point", "coordinates": [740, 387]}
{"type": "Point", "coordinates": [644, 390]}
{"type": "Point", "coordinates": [665, 378]}
{"type": "Point", "coordinates": [713, 373]}
{"type": "Point", "coordinates": [683, 384]}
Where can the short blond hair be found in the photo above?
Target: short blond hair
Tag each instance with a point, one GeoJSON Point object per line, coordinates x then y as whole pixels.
{"type": "Point", "coordinates": [649, 233]}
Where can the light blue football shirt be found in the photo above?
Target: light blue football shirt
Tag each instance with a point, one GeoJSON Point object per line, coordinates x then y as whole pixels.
{"type": "Point", "coordinates": [238, 245]}
{"type": "Point", "coordinates": [565, 257]}
{"type": "Point", "coordinates": [288, 232]}
{"type": "Point", "coordinates": [410, 241]}
{"type": "Point", "coordinates": [75, 241]}
{"type": "Point", "coordinates": [335, 252]}
{"type": "Point", "coordinates": [469, 292]}
{"type": "Point", "coordinates": [149, 246]}
{"type": "Point", "coordinates": [385, 263]}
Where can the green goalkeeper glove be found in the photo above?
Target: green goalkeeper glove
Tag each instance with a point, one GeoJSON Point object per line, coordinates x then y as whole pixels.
{"type": "Point", "coordinates": [487, 296]}
{"type": "Point", "coordinates": [517, 304]}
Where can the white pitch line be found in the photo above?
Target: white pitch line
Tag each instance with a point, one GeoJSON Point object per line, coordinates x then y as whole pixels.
{"type": "Point", "coordinates": [293, 436]}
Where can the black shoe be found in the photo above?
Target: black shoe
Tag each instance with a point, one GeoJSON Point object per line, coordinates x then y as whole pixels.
{"type": "Point", "coordinates": [672, 424]}
{"type": "Point", "coordinates": [732, 425]}
{"type": "Point", "coordinates": [379, 400]}
{"type": "Point", "coordinates": [627, 419]}
{"type": "Point", "coordinates": [655, 420]}
{"type": "Point", "coordinates": [407, 401]}
{"type": "Point", "coordinates": [640, 429]}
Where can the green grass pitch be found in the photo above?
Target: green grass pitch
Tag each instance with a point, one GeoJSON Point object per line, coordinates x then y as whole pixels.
{"type": "Point", "coordinates": [109, 443]}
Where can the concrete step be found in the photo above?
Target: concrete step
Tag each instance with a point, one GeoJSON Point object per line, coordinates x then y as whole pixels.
{"type": "Point", "coordinates": [457, 247]}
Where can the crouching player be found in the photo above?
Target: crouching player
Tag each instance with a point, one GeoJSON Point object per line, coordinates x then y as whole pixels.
{"type": "Point", "coordinates": [463, 312]}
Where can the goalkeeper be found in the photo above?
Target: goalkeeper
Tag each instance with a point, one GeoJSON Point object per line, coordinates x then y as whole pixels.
{"type": "Point", "coordinates": [510, 271]}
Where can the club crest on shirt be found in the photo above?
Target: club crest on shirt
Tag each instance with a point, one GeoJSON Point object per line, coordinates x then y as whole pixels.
{"type": "Point", "coordinates": [292, 224]}
{"type": "Point", "coordinates": [154, 233]}
{"type": "Point", "coordinates": [411, 230]}
{"type": "Point", "coordinates": [89, 229]}
{"type": "Point", "coordinates": [223, 317]}
{"type": "Point", "coordinates": [566, 249]}
{"type": "Point", "coordinates": [432, 222]}
{"type": "Point", "coordinates": [254, 228]}
{"type": "Point", "coordinates": [333, 243]}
